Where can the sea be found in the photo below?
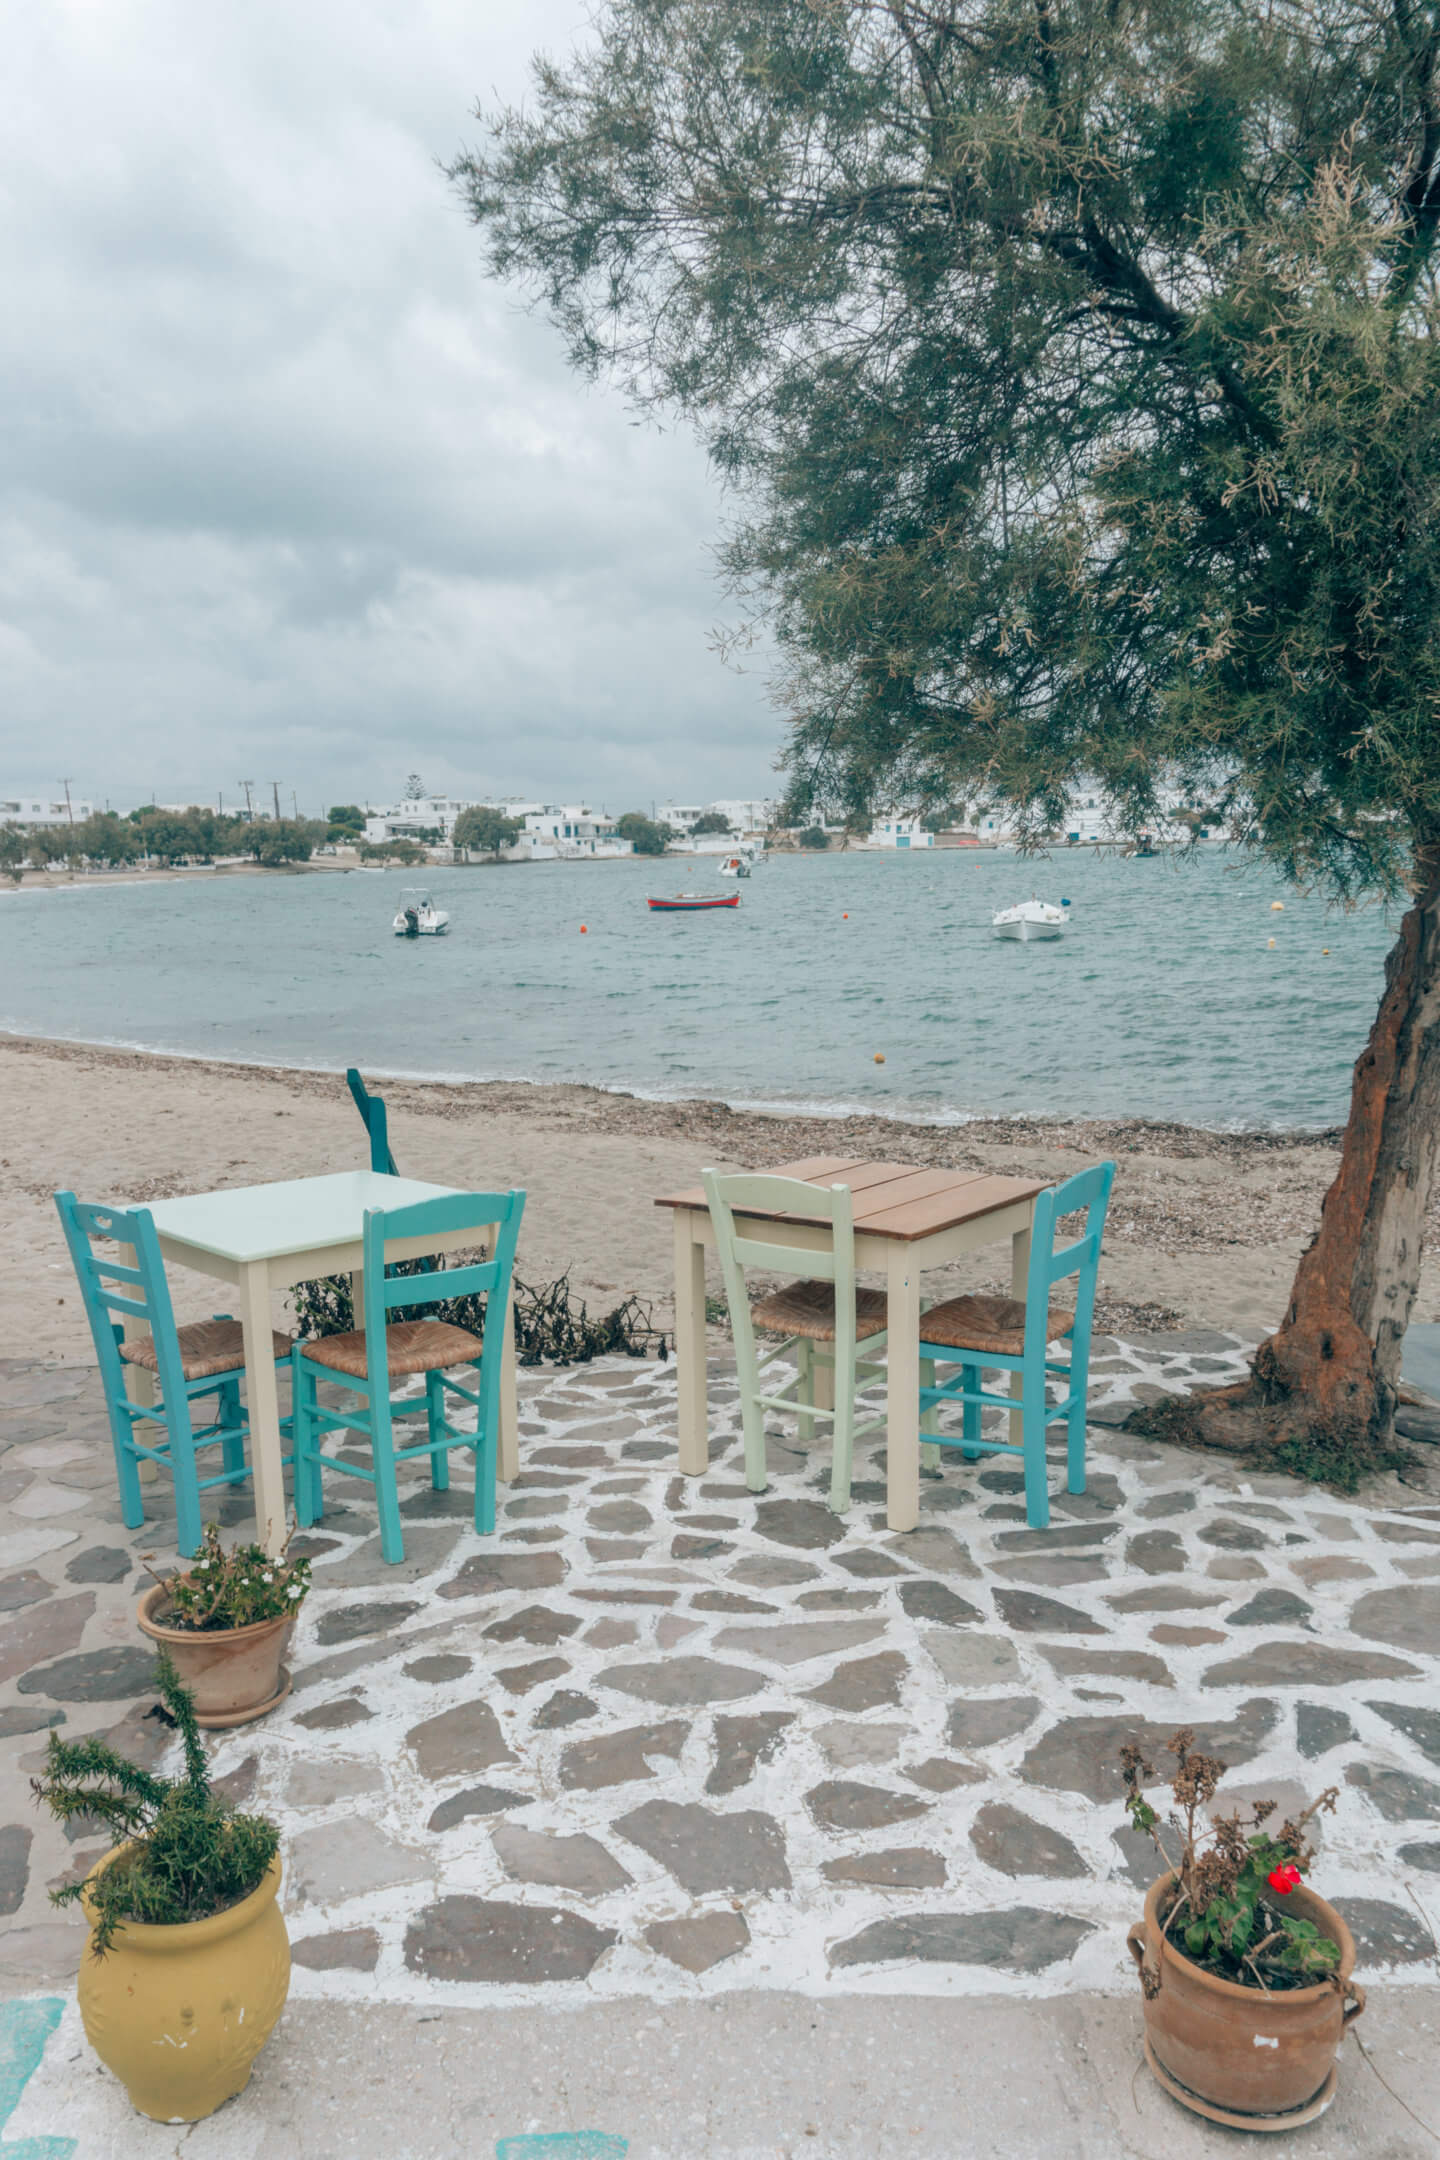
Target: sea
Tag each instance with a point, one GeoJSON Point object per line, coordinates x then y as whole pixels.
{"type": "Point", "coordinates": [852, 981]}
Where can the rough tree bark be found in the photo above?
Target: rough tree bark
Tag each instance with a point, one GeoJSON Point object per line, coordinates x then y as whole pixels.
{"type": "Point", "coordinates": [1329, 1373]}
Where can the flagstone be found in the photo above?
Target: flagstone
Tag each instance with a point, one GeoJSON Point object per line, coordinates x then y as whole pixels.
{"type": "Point", "coordinates": [1025, 1939]}
{"type": "Point", "coordinates": [933, 1601]}
{"type": "Point", "coordinates": [565, 1707]}
{"type": "Point", "coordinates": [1418, 1725]}
{"type": "Point", "coordinates": [587, 1457]}
{"type": "Point", "coordinates": [609, 1634]}
{"type": "Point", "coordinates": [347, 1950]}
{"type": "Point", "coordinates": [1056, 1538]}
{"type": "Point", "coordinates": [829, 1600]}
{"type": "Point", "coordinates": [1007, 1839]}
{"type": "Point", "coordinates": [329, 1865]}
{"type": "Point", "coordinates": [1140, 1665]}
{"type": "Point", "coordinates": [937, 1550]}
{"type": "Point", "coordinates": [1307, 1664]}
{"type": "Point", "coordinates": [706, 1851]}
{"type": "Point", "coordinates": [805, 1525]}
{"type": "Point", "coordinates": [623, 1517]}
{"type": "Point", "coordinates": [842, 1804]}
{"type": "Point", "coordinates": [16, 1720]}
{"type": "Point", "coordinates": [850, 1745]}
{"type": "Point", "coordinates": [428, 1547]}
{"type": "Point", "coordinates": [1396, 1794]}
{"type": "Point", "coordinates": [864, 1683]}
{"type": "Point", "coordinates": [538, 1624]}
{"type": "Point", "coordinates": [42, 1502]}
{"type": "Point", "coordinates": [687, 1545]}
{"type": "Point", "coordinates": [487, 1572]}
{"type": "Point", "coordinates": [443, 1665]}
{"type": "Point", "coordinates": [798, 1641]}
{"type": "Point", "coordinates": [1236, 1567]}
{"type": "Point", "coordinates": [974, 1661]}
{"type": "Point", "coordinates": [939, 1775]}
{"type": "Point", "coordinates": [465, 1738]}
{"type": "Point", "coordinates": [772, 1571]}
{"type": "Point", "coordinates": [1408, 1617]}
{"type": "Point", "coordinates": [741, 1742]}
{"type": "Point", "coordinates": [334, 1716]}
{"type": "Point", "coordinates": [576, 1863]}
{"type": "Point", "coordinates": [93, 1676]}
{"type": "Point", "coordinates": [683, 1680]}
{"type": "Point", "coordinates": [1424, 1857]}
{"type": "Point", "coordinates": [699, 1940]}
{"type": "Point", "coordinates": [488, 1939]}
{"type": "Point", "coordinates": [520, 1679]}
{"type": "Point", "coordinates": [98, 1564]}
{"type": "Point", "coordinates": [902, 1867]}
{"type": "Point", "coordinates": [345, 1622]}
{"type": "Point", "coordinates": [983, 1723]}
{"type": "Point", "coordinates": [1157, 1552]}
{"type": "Point", "coordinates": [1385, 1934]}
{"type": "Point", "coordinates": [1161, 1505]}
{"type": "Point", "coordinates": [1082, 1754]}
{"type": "Point", "coordinates": [1030, 1614]}
{"type": "Point", "coordinates": [475, 1800]}
{"type": "Point", "coordinates": [334, 1777]}
{"type": "Point", "coordinates": [15, 1842]}
{"type": "Point", "coordinates": [1271, 1608]}
{"type": "Point", "coordinates": [1165, 1597]}
{"type": "Point", "coordinates": [1055, 1570]}
{"type": "Point", "coordinates": [620, 1758]}
{"type": "Point", "coordinates": [1320, 1728]}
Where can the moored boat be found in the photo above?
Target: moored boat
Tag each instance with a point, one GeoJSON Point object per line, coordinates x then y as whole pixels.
{"type": "Point", "coordinates": [1032, 919]}
{"type": "Point", "coordinates": [418, 916]}
{"type": "Point", "coordinates": [692, 903]}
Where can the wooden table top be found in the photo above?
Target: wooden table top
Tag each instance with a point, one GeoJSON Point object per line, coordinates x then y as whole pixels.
{"type": "Point", "coordinates": [892, 1200]}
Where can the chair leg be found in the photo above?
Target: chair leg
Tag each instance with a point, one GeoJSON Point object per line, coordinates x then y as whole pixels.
{"type": "Point", "coordinates": [487, 1455]}
{"type": "Point", "coordinates": [805, 1392]}
{"type": "Point", "coordinates": [309, 1488]}
{"type": "Point", "coordinates": [127, 1471]}
{"type": "Point", "coordinates": [843, 1448]}
{"type": "Point", "coordinates": [752, 1417]}
{"type": "Point", "coordinates": [1075, 1450]}
{"type": "Point", "coordinates": [435, 1426]}
{"type": "Point", "coordinates": [1037, 1482]}
{"type": "Point", "coordinates": [929, 1419]}
{"type": "Point", "coordinates": [182, 1471]}
{"type": "Point", "coordinates": [971, 1377]}
{"type": "Point", "coordinates": [232, 1447]}
{"type": "Point", "coordinates": [387, 1498]}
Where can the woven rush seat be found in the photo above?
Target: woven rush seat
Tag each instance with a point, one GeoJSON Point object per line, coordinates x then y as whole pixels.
{"type": "Point", "coordinates": [206, 1347]}
{"type": "Point", "coordinates": [411, 1346]}
{"type": "Point", "coordinates": [808, 1308]}
{"type": "Point", "coordinates": [988, 1323]}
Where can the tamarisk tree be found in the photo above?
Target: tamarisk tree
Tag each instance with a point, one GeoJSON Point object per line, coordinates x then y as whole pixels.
{"type": "Point", "coordinates": [1074, 367]}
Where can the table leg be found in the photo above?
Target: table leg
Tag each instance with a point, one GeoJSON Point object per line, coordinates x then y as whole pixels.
{"type": "Point", "coordinates": [1019, 1284]}
{"type": "Point", "coordinates": [692, 1409]}
{"type": "Point", "coordinates": [902, 1392]}
{"type": "Point", "coordinates": [267, 1471]}
{"type": "Point", "coordinates": [508, 1463]}
{"type": "Point", "coordinates": [357, 1298]}
{"type": "Point", "coordinates": [139, 1380]}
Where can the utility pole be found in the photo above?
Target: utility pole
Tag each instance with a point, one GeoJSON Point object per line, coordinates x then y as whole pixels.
{"type": "Point", "coordinates": [68, 810]}
{"type": "Point", "coordinates": [275, 791]}
{"type": "Point", "coordinates": [249, 813]}
{"type": "Point", "coordinates": [294, 807]}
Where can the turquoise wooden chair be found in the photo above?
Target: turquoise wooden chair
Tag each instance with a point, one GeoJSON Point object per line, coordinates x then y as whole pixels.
{"type": "Point", "coordinates": [369, 1360]}
{"type": "Point", "coordinates": [372, 1110]}
{"type": "Point", "coordinates": [205, 1358]}
{"type": "Point", "coordinates": [1013, 1336]}
{"type": "Point", "coordinates": [821, 1319]}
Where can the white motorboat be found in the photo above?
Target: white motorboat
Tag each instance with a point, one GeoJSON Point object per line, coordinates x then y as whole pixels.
{"type": "Point", "coordinates": [1032, 919]}
{"type": "Point", "coordinates": [742, 862]}
{"type": "Point", "coordinates": [418, 916]}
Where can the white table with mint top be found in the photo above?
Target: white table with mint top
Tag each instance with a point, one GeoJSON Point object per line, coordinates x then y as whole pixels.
{"type": "Point", "coordinates": [264, 1238]}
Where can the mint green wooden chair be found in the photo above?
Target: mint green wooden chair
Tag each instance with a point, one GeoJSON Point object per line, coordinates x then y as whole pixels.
{"type": "Point", "coordinates": [188, 1364]}
{"type": "Point", "coordinates": [371, 1358]}
{"type": "Point", "coordinates": [1009, 1335]}
{"type": "Point", "coordinates": [822, 1319]}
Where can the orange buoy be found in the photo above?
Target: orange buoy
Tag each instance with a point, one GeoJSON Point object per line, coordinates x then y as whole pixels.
{"type": "Point", "coordinates": [846, 916]}
{"type": "Point", "coordinates": [879, 1057]}
{"type": "Point", "coordinates": [584, 931]}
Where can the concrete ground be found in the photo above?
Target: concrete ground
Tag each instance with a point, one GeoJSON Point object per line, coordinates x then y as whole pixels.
{"type": "Point", "coordinates": [747, 2076]}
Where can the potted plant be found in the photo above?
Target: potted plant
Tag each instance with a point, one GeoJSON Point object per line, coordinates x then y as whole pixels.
{"type": "Point", "coordinates": [1246, 1974]}
{"type": "Point", "coordinates": [188, 1963]}
{"type": "Point", "coordinates": [226, 1623]}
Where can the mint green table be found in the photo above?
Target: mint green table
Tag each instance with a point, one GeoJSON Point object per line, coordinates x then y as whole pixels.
{"type": "Point", "coordinates": [264, 1238]}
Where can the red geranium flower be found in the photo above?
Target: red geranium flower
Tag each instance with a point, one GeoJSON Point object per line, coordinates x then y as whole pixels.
{"type": "Point", "coordinates": [1285, 1879]}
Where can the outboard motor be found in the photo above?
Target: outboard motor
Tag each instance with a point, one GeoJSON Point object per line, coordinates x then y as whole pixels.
{"type": "Point", "coordinates": [412, 922]}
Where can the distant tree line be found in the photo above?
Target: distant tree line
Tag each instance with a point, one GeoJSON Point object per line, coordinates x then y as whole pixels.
{"type": "Point", "coordinates": [107, 841]}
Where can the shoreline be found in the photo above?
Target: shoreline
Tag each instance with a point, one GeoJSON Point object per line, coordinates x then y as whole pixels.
{"type": "Point", "coordinates": [1019, 1122]}
{"type": "Point", "coordinates": [1205, 1228]}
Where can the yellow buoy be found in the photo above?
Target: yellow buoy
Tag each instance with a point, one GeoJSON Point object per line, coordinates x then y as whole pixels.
{"type": "Point", "coordinates": [879, 1057]}
{"type": "Point", "coordinates": [1271, 943]}
{"type": "Point", "coordinates": [1277, 907]}
{"type": "Point", "coordinates": [1325, 952]}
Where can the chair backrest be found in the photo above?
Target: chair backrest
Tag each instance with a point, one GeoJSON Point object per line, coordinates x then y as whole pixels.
{"type": "Point", "coordinates": [743, 1244]}
{"type": "Point", "coordinates": [1051, 1263]}
{"type": "Point", "coordinates": [437, 1285]}
{"type": "Point", "coordinates": [144, 1293]}
{"type": "Point", "coordinates": [372, 1110]}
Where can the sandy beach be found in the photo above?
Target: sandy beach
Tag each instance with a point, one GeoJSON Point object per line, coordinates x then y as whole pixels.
{"type": "Point", "coordinates": [1205, 1228]}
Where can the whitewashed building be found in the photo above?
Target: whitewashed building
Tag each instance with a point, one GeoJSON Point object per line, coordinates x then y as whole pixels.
{"type": "Point", "coordinates": [900, 832]}
{"type": "Point", "coordinates": [41, 810]}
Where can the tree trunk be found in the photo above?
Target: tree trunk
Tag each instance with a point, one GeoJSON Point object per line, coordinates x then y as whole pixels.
{"type": "Point", "coordinates": [1327, 1377]}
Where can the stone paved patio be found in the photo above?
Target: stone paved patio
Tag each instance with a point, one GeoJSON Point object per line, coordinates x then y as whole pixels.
{"type": "Point", "coordinates": [663, 1737]}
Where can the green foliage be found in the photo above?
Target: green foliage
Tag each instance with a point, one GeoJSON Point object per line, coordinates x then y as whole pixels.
{"type": "Point", "coordinates": [1340, 1460]}
{"type": "Point", "coordinates": [710, 821]}
{"type": "Point", "coordinates": [1076, 364]}
{"type": "Point", "coordinates": [14, 846]}
{"type": "Point", "coordinates": [346, 818]}
{"type": "Point", "coordinates": [407, 852]}
{"type": "Point", "coordinates": [275, 841]}
{"type": "Point", "coordinates": [1228, 1903]}
{"type": "Point", "coordinates": [190, 1855]}
{"type": "Point", "coordinates": [814, 836]}
{"type": "Point", "coordinates": [220, 1589]}
{"type": "Point", "coordinates": [644, 834]}
{"type": "Point", "coordinates": [486, 830]}
{"type": "Point", "coordinates": [551, 1325]}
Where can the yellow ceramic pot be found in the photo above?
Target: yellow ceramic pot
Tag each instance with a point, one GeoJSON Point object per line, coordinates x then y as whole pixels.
{"type": "Point", "coordinates": [180, 2013]}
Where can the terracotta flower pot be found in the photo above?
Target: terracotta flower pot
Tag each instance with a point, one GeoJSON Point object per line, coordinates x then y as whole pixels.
{"type": "Point", "coordinates": [235, 1674]}
{"type": "Point", "coordinates": [1235, 2053]}
{"type": "Point", "coordinates": [180, 2013]}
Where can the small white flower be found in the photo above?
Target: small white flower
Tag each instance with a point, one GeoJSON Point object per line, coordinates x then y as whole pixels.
{"type": "Point", "coordinates": [267, 1578]}
{"type": "Point", "coordinates": [295, 1590]}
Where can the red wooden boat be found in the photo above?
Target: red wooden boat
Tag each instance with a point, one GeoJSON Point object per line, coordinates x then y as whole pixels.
{"type": "Point", "coordinates": [685, 903]}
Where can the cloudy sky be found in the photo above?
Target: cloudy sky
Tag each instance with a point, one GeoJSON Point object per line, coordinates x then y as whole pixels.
{"type": "Point", "coordinates": [288, 489]}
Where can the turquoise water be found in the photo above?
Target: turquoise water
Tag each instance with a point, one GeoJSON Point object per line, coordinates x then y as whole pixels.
{"type": "Point", "coordinates": [1163, 1001]}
